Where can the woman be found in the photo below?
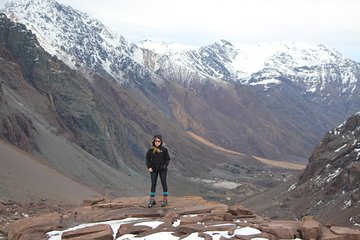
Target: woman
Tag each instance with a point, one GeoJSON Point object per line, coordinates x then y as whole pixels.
{"type": "Point", "coordinates": [157, 161]}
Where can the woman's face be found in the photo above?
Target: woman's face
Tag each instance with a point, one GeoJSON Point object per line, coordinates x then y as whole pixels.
{"type": "Point", "coordinates": [157, 142]}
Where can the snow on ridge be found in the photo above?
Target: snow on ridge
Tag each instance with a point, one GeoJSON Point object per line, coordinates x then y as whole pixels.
{"type": "Point", "coordinates": [311, 65]}
{"type": "Point", "coordinates": [73, 36]}
{"type": "Point", "coordinates": [47, 21]}
{"type": "Point", "coordinates": [161, 47]}
{"type": "Point", "coordinates": [252, 58]}
{"type": "Point", "coordinates": [77, 33]}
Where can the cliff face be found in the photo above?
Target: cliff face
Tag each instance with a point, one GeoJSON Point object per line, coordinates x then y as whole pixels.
{"type": "Point", "coordinates": [338, 154]}
{"type": "Point", "coordinates": [329, 186]}
{"type": "Point", "coordinates": [15, 127]}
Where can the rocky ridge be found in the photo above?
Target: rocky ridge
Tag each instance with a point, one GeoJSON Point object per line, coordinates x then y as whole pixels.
{"type": "Point", "coordinates": [329, 186]}
{"type": "Point", "coordinates": [80, 41]}
{"type": "Point", "coordinates": [188, 217]}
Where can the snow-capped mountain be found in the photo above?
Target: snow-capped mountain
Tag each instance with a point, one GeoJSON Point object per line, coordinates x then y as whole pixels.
{"type": "Point", "coordinates": [308, 87]}
{"type": "Point", "coordinates": [80, 41]}
{"type": "Point", "coordinates": [311, 66]}
{"type": "Point", "coordinates": [163, 48]}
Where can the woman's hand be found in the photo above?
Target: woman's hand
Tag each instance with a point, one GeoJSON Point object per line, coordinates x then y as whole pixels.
{"type": "Point", "coordinates": [150, 170]}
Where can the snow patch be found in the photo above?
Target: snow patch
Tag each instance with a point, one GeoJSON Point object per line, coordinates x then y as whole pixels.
{"type": "Point", "coordinates": [246, 231]}
{"type": "Point", "coordinates": [176, 223]}
{"type": "Point", "coordinates": [338, 150]}
{"type": "Point", "coordinates": [115, 224]}
{"type": "Point", "coordinates": [347, 204]}
{"type": "Point", "coordinates": [333, 175]}
{"type": "Point", "coordinates": [266, 82]}
{"type": "Point", "coordinates": [152, 224]}
{"type": "Point", "coordinates": [292, 187]}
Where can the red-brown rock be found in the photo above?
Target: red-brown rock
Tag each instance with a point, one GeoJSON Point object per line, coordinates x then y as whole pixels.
{"type": "Point", "coordinates": [196, 215]}
{"type": "Point", "coordinates": [98, 232]}
{"type": "Point", "coordinates": [310, 228]}
{"type": "Point", "coordinates": [347, 233]}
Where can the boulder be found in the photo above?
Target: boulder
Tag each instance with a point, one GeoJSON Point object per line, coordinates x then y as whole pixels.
{"type": "Point", "coordinates": [96, 232]}
{"type": "Point", "coordinates": [347, 233]}
{"type": "Point", "coordinates": [310, 228]}
{"type": "Point", "coordinates": [280, 229]}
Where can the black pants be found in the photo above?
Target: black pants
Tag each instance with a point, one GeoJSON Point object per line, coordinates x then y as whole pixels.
{"type": "Point", "coordinates": [154, 177]}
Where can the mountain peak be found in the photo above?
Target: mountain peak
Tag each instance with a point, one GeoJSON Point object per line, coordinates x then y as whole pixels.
{"type": "Point", "coordinates": [73, 36]}
{"type": "Point", "coordinates": [80, 40]}
{"type": "Point", "coordinates": [161, 47]}
{"type": "Point", "coordinates": [26, 4]}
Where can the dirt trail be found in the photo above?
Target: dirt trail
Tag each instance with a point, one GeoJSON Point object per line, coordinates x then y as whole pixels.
{"type": "Point", "coordinates": [280, 164]}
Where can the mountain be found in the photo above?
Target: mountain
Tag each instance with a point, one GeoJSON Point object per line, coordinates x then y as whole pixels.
{"type": "Point", "coordinates": [308, 88]}
{"type": "Point", "coordinates": [97, 131]}
{"type": "Point", "coordinates": [50, 111]}
{"type": "Point", "coordinates": [271, 100]}
{"type": "Point", "coordinates": [266, 64]}
{"type": "Point", "coordinates": [87, 102]}
{"type": "Point", "coordinates": [329, 186]}
{"type": "Point", "coordinates": [82, 42]}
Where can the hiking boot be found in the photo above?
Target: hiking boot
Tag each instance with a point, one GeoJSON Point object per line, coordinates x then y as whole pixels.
{"type": "Point", "coordinates": [164, 203]}
{"type": "Point", "coordinates": [151, 203]}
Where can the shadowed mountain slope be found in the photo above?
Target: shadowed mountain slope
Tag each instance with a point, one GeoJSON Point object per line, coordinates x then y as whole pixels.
{"type": "Point", "coordinates": [329, 186]}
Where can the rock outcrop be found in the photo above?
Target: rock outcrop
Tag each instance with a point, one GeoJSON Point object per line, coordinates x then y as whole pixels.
{"type": "Point", "coordinates": [329, 186]}
{"type": "Point", "coordinates": [129, 218]}
{"type": "Point", "coordinates": [17, 129]}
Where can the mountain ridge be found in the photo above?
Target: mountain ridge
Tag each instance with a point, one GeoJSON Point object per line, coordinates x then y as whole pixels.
{"type": "Point", "coordinates": [327, 188]}
{"type": "Point", "coordinates": [241, 61]}
{"type": "Point", "coordinates": [317, 96]}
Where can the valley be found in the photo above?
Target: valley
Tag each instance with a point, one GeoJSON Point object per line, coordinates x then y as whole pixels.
{"type": "Point", "coordinates": [79, 105]}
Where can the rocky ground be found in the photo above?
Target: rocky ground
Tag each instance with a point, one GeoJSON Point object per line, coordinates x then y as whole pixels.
{"type": "Point", "coordinates": [189, 217]}
{"type": "Point", "coordinates": [11, 211]}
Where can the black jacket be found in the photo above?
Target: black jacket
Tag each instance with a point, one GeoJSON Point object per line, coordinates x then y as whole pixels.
{"type": "Point", "coordinates": [158, 161]}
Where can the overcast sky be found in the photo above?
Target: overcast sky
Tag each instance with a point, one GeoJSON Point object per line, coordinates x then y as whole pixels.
{"type": "Point", "coordinates": [335, 23]}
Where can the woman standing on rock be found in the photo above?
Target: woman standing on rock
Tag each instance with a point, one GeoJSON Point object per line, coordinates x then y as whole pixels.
{"type": "Point", "coordinates": [157, 161]}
